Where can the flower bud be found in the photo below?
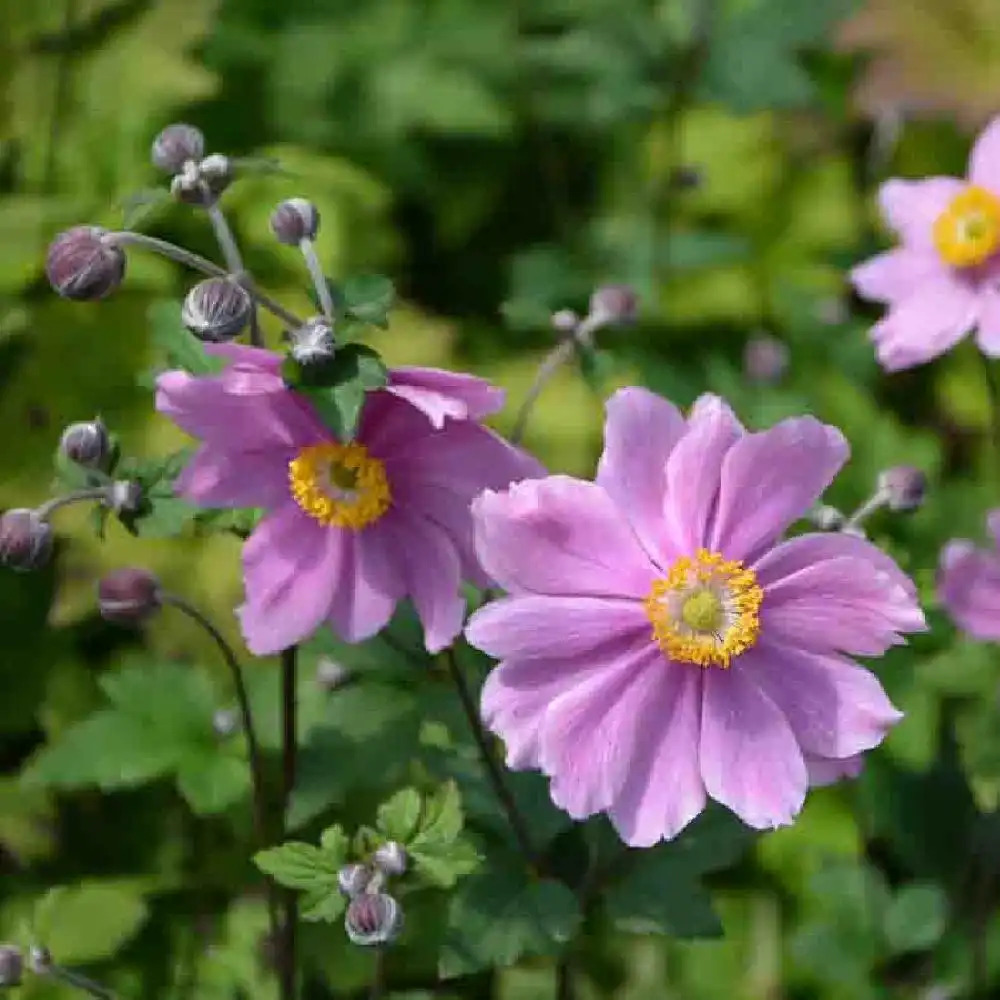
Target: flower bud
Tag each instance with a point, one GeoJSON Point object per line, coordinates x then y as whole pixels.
{"type": "Point", "coordinates": [353, 879]}
{"type": "Point", "coordinates": [313, 342]}
{"type": "Point", "coordinates": [25, 540]}
{"type": "Point", "coordinates": [11, 965]}
{"type": "Point", "coordinates": [217, 309]}
{"type": "Point", "coordinates": [125, 497]}
{"type": "Point", "coordinates": [903, 486]}
{"type": "Point", "coordinates": [826, 518]}
{"type": "Point", "coordinates": [391, 858]}
{"type": "Point", "coordinates": [765, 359]}
{"type": "Point", "coordinates": [565, 321]}
{"type": "Point", "coordinates": [87, 444]}
{"type": "Point", "coordinates": [295, 220]}
{"type": "Point", "coordinates": [189, 188]}
{"type": "Point", "coordinates": [39, 959]}
{"type": "Point", "coordinates": [225, 723]}
{"type": "Point", "coordinates": [614, 304]}
{"type": "Point", "coordinates": [685, 178]}
{"type": "Point", "coordinates": [128, 596]}
{"type": "Point", "coordinates": [217, 173]}
{"type": "Point", "coordinates": [373, 918]}
{"type": "Point", "coordinates": [176, 145]}
{"type": "Point", "coordinates": [330, 674]}
{"type": "Point", "coordinates": [83, 263]}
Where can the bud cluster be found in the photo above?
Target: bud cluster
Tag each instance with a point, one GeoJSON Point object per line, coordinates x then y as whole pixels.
{"type": "Point", "coordinates": [373, 916]}
{"type": "Point", "coordinates": [197, 179]}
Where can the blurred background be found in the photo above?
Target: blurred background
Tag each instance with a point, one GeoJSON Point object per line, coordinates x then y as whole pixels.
{"type": "Point", "coordinates": [499, 159]}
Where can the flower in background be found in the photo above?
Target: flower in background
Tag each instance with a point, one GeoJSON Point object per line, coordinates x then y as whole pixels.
{"type": "Point", "coordinates": [969, 583]}
{"type": "Point", "coordinates": [351, 528]}
{"type": "Point", "coordinates": [661, 644]}
{"type": "Point", "coordinates": [941, 283]}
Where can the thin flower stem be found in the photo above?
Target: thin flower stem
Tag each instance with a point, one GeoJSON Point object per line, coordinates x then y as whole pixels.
{"type": "Point", "coordinates": [198, 263]}
{"type": "Point", "coordinates": [78, 981]}
{"type": "Point", "coordinates": [993, 390]}
{"type": "Point", "coordinates": [318, 278]}
{"type": "Point", "coordinates": [378, 975]}
{"type": "Point", "coordinates": [875, 502]}
{"type": "Point", "coordinates": [253, 745]}
{"type": "Point", "coordinates": [552, 362]}
{"type": "Point", "coordinates": [234, 261]}
{"type": "Point", "coordinates": [289, 763]}
{"type": "Point", "coordinates": [493, 771]}
{"type": "Point", "coordinates": [564, 980]}
{"type": "Point", "coordinates": [48, 508]}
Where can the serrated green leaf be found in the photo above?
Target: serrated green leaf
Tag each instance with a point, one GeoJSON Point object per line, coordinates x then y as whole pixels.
{"type": "Point", "coordinates": [335, 842]}
{"type": "Point", "coordinates": [178, 347]}
{"type": "Point", "coordinates": [213, 781]}
{"type": "Point", "coordinates": [916, 917]}
{"type": "Point", "coordinates": [300, 866]}
{"type": "Point", "coordinates": [439, 856]}
{"type": "Point", "coordinates": [323, 906]}
{"type": "Point", "coordinates": [338, 406]}
{"type": "Point", "coordinates": [169, 697]}
{"type": "Point", "coordinates": [368, 297]}
{"type": "Point", "coordinates": [398, 818]}
{"type": "Point", "coordinates": [499, 916]}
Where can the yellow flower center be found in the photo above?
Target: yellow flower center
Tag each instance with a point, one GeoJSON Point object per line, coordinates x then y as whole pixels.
{"type": "Point", "coordinates": [967, 232]}
{"type": "Point", "coordinates": [340, 485]}
{"type": "Point", "coordinates": [705, 610]}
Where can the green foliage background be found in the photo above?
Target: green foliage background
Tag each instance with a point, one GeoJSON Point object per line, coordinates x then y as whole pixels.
{"type": "Point", "coordinates": [498, 159]}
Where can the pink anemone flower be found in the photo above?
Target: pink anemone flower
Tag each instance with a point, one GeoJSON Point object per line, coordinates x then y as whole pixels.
{"type": "Point", "coordinates": [943, 281]}
{"type": "Point", "coordinates": [968, 583]}
{"type": "Point", "coordinates": [661, 644]}
{"type": "Point", "coordinates": [352, 528]}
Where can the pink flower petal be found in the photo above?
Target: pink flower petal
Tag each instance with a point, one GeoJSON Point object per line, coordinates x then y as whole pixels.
{"type": "Point", "coordinates": [663, 790]}
{"type": "Point", "coordinates": [215, 477]}
{"type": "Point", "coordinates": [984, 160]}
{"type": "Point", "coordinates": [639, 434]}
{"type": "Point", "coordinates": [360, 602]}
{"type": "Point", "coordinates": [535, 627]}
{"type": "Point", "coordinates": [826, 771]}
{"type": "Point", "coordinates": [290, 565]}
{"type": "Point", "coordinates": [750, 759]}
{"type": "Point", "coordinates": [993, 525]}
{"type": "Point", "coordinates": [926, 323]}
{"type": "Point", "coordinates": [693, 472]}
{"type": "Point", "coordinates": [988, 331]}
{"type": "Point", "coordinates": [835, 708]}
{"type": "Point", "coordinates": [911, 207]}
{"type": "Point", "coordinates": [770, 479]}
{"type": "Point", "coordinates": [969, 587]}
{"type": "Point", "coordinates": [585, 739]}
{"type": "Point", "coordinates": [255, 357]}
{"type": "Point", "coordinates": [559, 536]}
{"type": "Point", "coordinates": [442, 394]}
{"type": "Point", "coordinates": [894, 274]}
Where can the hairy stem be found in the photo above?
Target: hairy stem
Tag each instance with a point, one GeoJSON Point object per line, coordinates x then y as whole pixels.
{"type": "Point", "coordinates": [564, 980]}
{"type": "Point", "coordinates": [234, 261]}
{"type": "Point", "coordinates": [493, 770]}
{"type": "Point", "coordinates": [289, 762]}
{"type": "Point", "coordinates": [318, 278]}
{"type": "Point", "coordinates": [78, 981]}
{"type": "Point", "coordinates": [378, 975]}
{"type": "Point", "coordinates": [47, 509]}
{"type": "Point", "coordinates": [552, 362]}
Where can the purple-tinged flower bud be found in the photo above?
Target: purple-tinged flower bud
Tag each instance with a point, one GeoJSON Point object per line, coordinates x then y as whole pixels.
{"type": "Point", "coordinates": [373, 918]}
{"type": "Point", "coordinates": [313, 342]}
{"type": "Point", "coordinates": [176, 145]}
{"type": "Point", "coordinates": [225, 723]}
{"type": "Point", "coordinates": [295, 220]}
{"type": "Point", "coordinates": [25, 540]}
{"type": "Point", "coordinates": [39, 959]}
{"type": "Point", "coordinates": [11, 965]}
{"type": "Point", "coordinates": [128, 596]}
{"type": "Point", "coordinates": [353, 879]}
{"type": "Point", "coordinates": [614, 304]}
{"type": "Point", "coordinates": [85, 264]}
{"type": "Point", "coordinates": [217, 309]}
{"type": "Point", "coordinates": [87, 444]}
{"type": "Point", "coordinates": [125, 497]}
{"type": "Point", "coordinates": [685, 178]}
{"type": "Point", "coordinates": [903, 486]}
{"type": "Point", "coordinates": [826, 518]}
{"type": "Point", "coordinates": [765, 359]}
{"type": "Point", "coordinates": [189, 188]}
{"type": "Point", "coordinates": [565, 321]}
{"type": "Point", "coordinates": [217, 172]}
{"type": "Point", "coordinates": [391, 858]}
{"type": "Point", "coordinates": [330, 674]}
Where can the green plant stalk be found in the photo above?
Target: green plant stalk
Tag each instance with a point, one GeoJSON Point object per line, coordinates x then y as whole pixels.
{"type": "Point", "coordinates": [287, 945]}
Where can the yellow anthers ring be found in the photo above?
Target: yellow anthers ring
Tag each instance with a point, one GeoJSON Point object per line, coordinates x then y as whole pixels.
{"type": "Point", "coordinates": [967, 232]}
{"type": "Point", "coordinates": [705, 610]}
{"type": "Point", "coordinates": [339, 484]}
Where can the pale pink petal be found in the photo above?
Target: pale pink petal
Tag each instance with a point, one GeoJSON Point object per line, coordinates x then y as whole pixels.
{"type": "Point", "coordinates": [361, 604]}
{"type": "Point", "coordinates": [215, 477]}
{"type": "Point", "coordinates": [988, 330]}
{"type": "Point", "coordinates": [993, 525]}
{"type": "Point", "coordinates": [389, 426]}
{"type": "Point", "coordinates": [559, 536]}
{"type": "Point", "coordinates": [442, 394]}
{"type": "Point", "coordinates": [826, 771]}
{"type": "Point", "coordinates": [969, 587]}
{"type": "Point", "coordinates": [586, 732]}
{"type": "Point", "coordinates": [770, 479]}
{"type": "Point", "coordinates": [927, 323]}
{"type": "Point", "coordinates": [663, 790]}
{"type": "Point", "coordinates": [693, 472]}
{"type": "Point", "coordinates": [835, 708]}
{"type": "Point", "coordinates": [984, 160]}
{"type": "Point", "coordinates": [640, 432]}
{"type": "Point", "coordinates": [910, 208]}
{"type": "Point", "coordinates": [533, 627]}
{"type": "Point", "coordinates": [750, 759]}
{"type": "Point", "coordinates": [894, 274]}
{"type": "Point", "coordinates": [290, 567]}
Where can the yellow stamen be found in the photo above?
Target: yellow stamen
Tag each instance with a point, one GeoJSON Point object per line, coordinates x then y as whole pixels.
{"type": "Point", "coordinates": [967, 232]}
{"type": "Point", "coordinates": [340, 485]}
{"type": "Point", "coordinates": [705, 610]}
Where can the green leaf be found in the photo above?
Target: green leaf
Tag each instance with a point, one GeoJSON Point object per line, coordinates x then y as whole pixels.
{"type": "Point", "coordinates": [398, 818]}
{"type": "Point", "coordinates": [438, 853]}
{"type": "Point", "coordinates": [178, 347]}
{"type": "Point", "coordinates": [90, 921]}
{"type": "Point", "coordinates": [161, 514]}
{"type": "Point", "coordinates": [368, 297]}
{"type": "Point", "coordinates": [300, 866]}
{"type": "Point", "coordinates": [916, 918]}
{"type": "Point", "coordinates": [212, 782]}
{"type": "Point", "coordinates": [323, 905]}
{"type": "Point", "coordinates": [501, 915]}
{"type": "Point", "coordinates": [335, 842]}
